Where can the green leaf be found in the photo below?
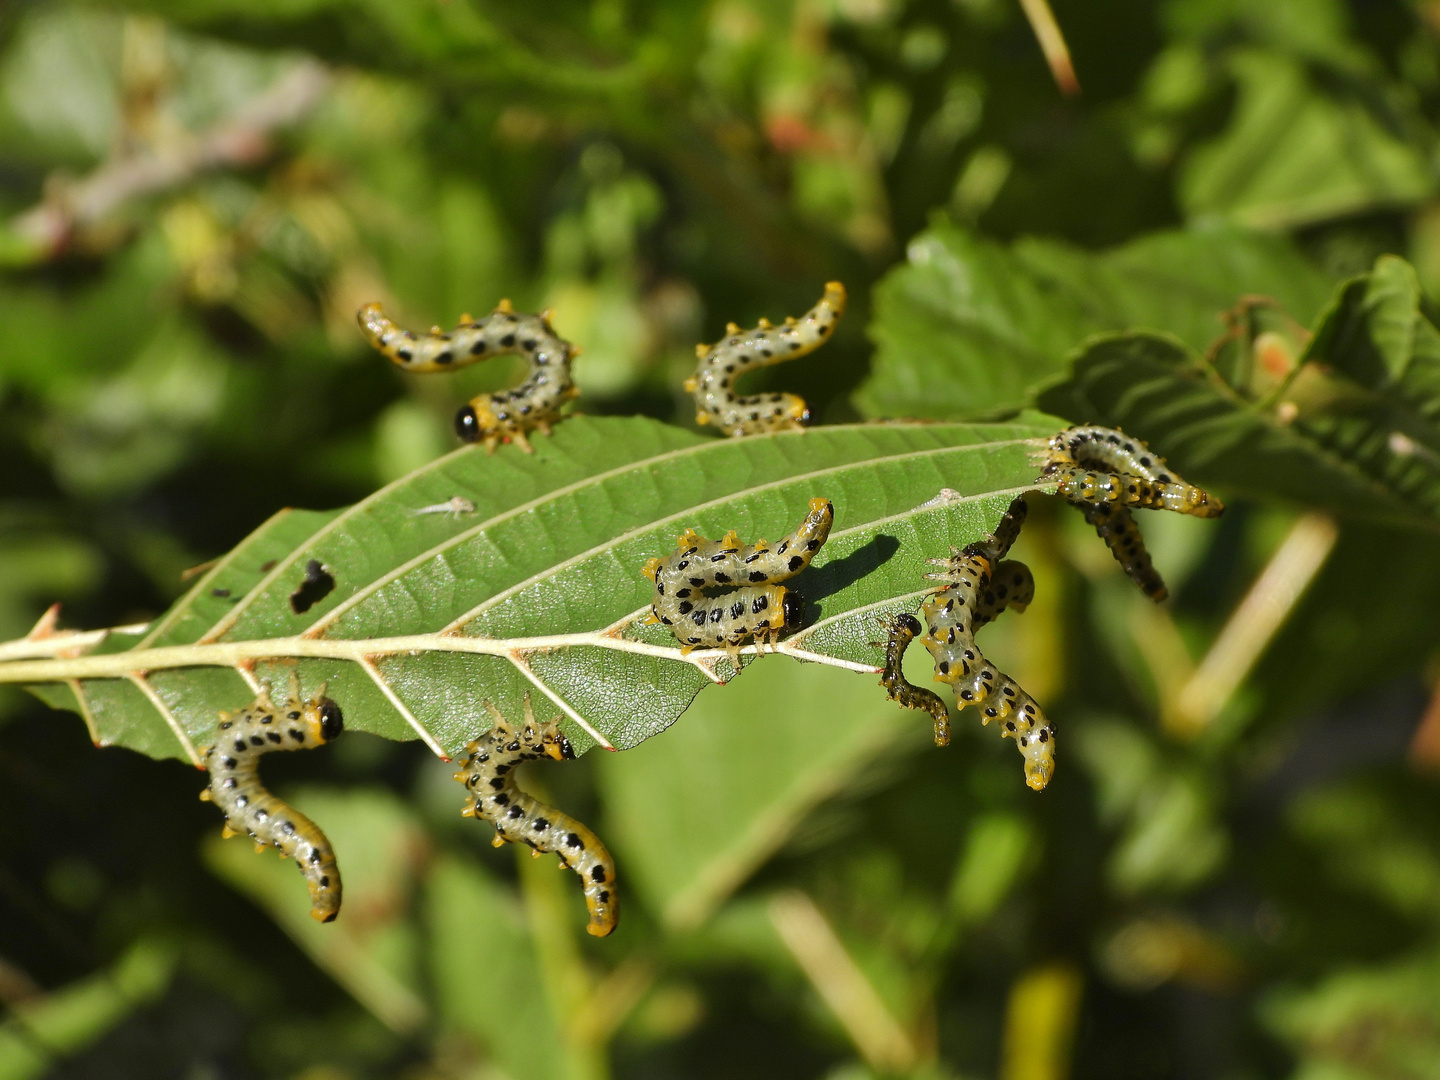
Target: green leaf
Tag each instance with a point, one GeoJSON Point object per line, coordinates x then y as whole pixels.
{"type": "Point", "coordinates": [1305, 146]}
{"type": "Point", "coordinates": [1157, 390]}
{"type": "Point", "coordinates": [1365, 1023]}
{"type": "Point", "coordinates": [374, 957]}
{"type": "Point", "coordinates": [40, 1032]}
{"type": "Point", "coordinates": [968, 327]}
{"type": "Point", "coordinates": [479, 926]}
{"type": "Point", "coordinates": [694, 814]}
{"type": "Point", "coordinates": [538, 589]}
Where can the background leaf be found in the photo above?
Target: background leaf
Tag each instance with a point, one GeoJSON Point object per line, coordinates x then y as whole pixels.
{"type": "Point", "coordinates": [1352, 427]}
{"type": "Point", "coordinates": [970, 327]}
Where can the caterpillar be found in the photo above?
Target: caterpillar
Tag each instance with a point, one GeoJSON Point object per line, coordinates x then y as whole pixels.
{"type": "Point", "coordinates": [487, 770]}
{"type": "Point", "coordinates": [756, 605]}
{"type": "Point", "coordinates": [508, 416]}
{"type": "Point", "coordinates": [901, 631]}
{"type": "Point", "coordinates": [745, 350]}
{"type": "Point", "coordinates": [1105, 472]}
{"type": "Point", "coordinates": [233, 762]}
{"type": "Point", "coordinates": [980, 584]}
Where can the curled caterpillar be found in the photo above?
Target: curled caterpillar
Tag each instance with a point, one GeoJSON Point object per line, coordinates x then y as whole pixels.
{"type": "Point", "coordinates": [235, 787]}
{"type": "Point", "coordinates": [756, 605]}
{"type": "Point", "coordinates": [487, 770]}
{"type": "Point", "coordinates": [901, 630]}
{"type": "Point", "coordinates": [713, 383]}
{"type": "Point", "coordinates": [1105, 472]}
{"type": "Point", "coordinates": [981, 583]}
{"type": "Point", "coordinates": [490, 418]}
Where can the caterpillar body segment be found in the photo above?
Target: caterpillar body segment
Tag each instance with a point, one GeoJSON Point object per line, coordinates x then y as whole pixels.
{"type": "Point", "coordinates": [713, 383]}
{"type": "Point", "coordinates": [979, 583]}
{"type": "Point", "coordinates": [506, 416]}
{"type": "Point", "coordinates": [900, 632]}
{"type": "Point", "coordinates": [233, 763]}
{"type": "Point", "coordinates": [1105, 473]}
{"type": "Point", "coordinates": [488, 773]}
{"type": "Point", "coordinates": [952, 616]}
{"type": "Point", "coordinates": [1096, 464]}
{"type": "Point", "coordinates": [752, 603]}
{"type": "Point", "coordinates": [1116, 526]}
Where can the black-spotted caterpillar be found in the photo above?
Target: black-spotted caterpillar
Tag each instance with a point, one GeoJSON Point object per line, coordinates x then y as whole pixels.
{"type": "Point", "coordinates": [1105, 472]}
{"type": "Point", "coordinates": [981, 584]}
{"type": "Point", "coordinates": [756, 605]}
{"type": "Point", "coordinates": [490, 418]}
{"type": "Point", "coordinates": [235, 787]}
{"type": "Point", "coordinates": [713, 383]}
{"type": "Point", "coordinates": [488, 771]}
{"type": "Point", "coordinates": [902, 630]}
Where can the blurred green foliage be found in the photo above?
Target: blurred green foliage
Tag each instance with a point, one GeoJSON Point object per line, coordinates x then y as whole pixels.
{"type": "Point", "coordinates": [197, 194]}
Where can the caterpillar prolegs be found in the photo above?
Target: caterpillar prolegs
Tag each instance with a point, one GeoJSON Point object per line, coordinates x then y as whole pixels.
{"type": "Point", "coordinates": [981, 584]}
{"type": "Point", "coordinates": [233, 762]}
{"type": "Point", "coordinates": [488, 771]}
{"type": "Point", "coordinates": [490, 418]}
{"type": "Point", "coordinates": [745, 350]}
{"type": "Point", "coordinates": [756, 605]}
{"type": "Point", "coordinates": [1105, 472]}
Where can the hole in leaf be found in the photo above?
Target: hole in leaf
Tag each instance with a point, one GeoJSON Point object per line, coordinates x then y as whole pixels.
{"type": "Point", "coordinates": [317, 585]}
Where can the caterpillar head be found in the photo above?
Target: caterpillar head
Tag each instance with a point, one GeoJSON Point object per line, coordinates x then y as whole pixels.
{"type": "Point", "coordinates": [793, 607]}
{"type": "Point", "coordinates": [467, 424]}
{"type": "Point", "coordinates": [1038, 747]}
{"type": "Point", "coordinates": [323, 717]}
{"type": "Point", "coordinates": [555, 744]}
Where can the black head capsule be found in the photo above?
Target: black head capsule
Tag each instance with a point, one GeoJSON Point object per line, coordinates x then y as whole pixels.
{"type": "Point", "coordinates": [332, 722]}
{"type": "Point", "coordinates": [467, 426]}
{"type": "Point", "coordinates": [794, 608]}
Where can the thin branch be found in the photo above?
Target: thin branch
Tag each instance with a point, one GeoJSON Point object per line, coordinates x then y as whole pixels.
{"type": "Point", "coordinates": [1052, 44]}
{"type": "Point", "coordinates": [884, 1044]}
{"type": "Point", "coordinates": [241, 140]}
{"type": "Point", "coordinates": [1252, 624]}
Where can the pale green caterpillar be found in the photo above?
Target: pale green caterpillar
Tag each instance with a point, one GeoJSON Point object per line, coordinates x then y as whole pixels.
{"type": "Point", "coordinates": [488, 771]}
{"type": "Point", "coordinates": [755, 603]}
{"type": "Point", "coordinates": [981, 584]}
{"type": "Point", "coordinates": [713, 383]}
{"type": "Point", "coordinates": [233, 762]}
{"type": "Point", "coordinates": [508, 416]}
{"type": "Point", "coordinates": [1105, 472]}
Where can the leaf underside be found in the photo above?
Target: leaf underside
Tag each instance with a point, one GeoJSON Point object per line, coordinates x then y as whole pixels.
{"type": "Point", "coordinates": [543, 578]}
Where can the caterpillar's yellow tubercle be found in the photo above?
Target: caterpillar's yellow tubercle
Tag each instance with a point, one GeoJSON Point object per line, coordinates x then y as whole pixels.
{"type": "Point", "coordinates": [1105, 472]}
{"type": "Point", "coordinates": [488, 771]}
{"type": "Point", "coordinates": [756, 604]}
{"type": "Point", "coordinates": [233, 761]}
{"type": "Point", "coordinates": [489, 418]}
{"type": "Point", "coordinates": [980, 584]}
{"type": "Point", "coordinates": [713, 383]}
